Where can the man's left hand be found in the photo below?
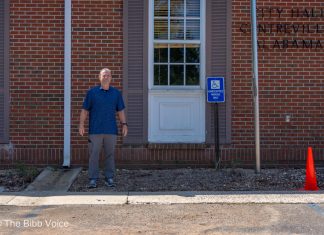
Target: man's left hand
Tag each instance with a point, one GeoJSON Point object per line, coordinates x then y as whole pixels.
{"type": "Point", "coordinates": [125, 130]}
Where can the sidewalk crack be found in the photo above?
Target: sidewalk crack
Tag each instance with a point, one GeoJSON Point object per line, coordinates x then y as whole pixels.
{"type": "Point", "coordinates": [127, 200]}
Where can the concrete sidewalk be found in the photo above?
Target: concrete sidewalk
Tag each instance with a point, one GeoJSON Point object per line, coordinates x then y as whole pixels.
{"type": "Point", "coordinates": [181, 197]}
{"type": "Point", "coordinates": [54, 180]}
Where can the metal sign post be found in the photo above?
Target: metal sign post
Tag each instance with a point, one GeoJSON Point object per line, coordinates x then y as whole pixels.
{"type": "Point", "coordinates": [255, 85]}
{"type": "Point", "coordinates": [216, 94]}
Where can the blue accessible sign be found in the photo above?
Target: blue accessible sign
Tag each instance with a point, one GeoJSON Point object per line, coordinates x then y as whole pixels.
{"type": "Point", "coordinates": [215, 90]}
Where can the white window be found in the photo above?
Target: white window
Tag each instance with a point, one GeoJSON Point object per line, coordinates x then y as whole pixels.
{"type": "Point", "coordinates": [177, 43]}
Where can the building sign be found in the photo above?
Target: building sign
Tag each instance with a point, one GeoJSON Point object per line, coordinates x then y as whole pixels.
{"type": "Point", "coordinates": [215, 90]}
{"type": "Point", "coordinates": [284, 28]}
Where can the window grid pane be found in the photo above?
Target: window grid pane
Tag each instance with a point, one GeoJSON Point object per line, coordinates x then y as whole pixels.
{"type": "Point", "coordinates": [161, 53]}
{"type": "Point", "coordinates": [176, 53]}
{"type": "Point", "coordinates": [160, 75]}
{"type": "Point", "coordinates": [192, 75]}
{"type": "Point", "coordinates": [160, 29]}
{"type": "Point", "coordinates": [192, 53]}
{"type": "Point", "coordinates": [176, 75]}
{"type": "Point", "coordinates": [161, 8]}
{"type": "Point", "coordinates": [176, 29]}
{"type": "Point", "coordinates": [177, 8]}
{"type": "Point", "coordinates": [192, 29]}
{"type": "Point", "coordinates": [193, 8]}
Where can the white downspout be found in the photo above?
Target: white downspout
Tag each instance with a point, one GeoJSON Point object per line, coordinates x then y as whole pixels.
{"type": "Point", "coordinates": [67, 83]}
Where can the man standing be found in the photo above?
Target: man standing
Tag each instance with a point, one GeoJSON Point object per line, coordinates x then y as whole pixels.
{"type": "Point", "coordinates": [101, 103]}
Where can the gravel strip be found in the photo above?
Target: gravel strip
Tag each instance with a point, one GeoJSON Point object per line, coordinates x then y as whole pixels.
{"type": "Point", "coordinates": [201, 179]}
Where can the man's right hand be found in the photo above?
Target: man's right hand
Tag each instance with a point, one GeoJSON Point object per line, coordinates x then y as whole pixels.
{"type": "Point", "coordinates": [83, 116]}
{"type": "Point", "coordinates": [81, 130]}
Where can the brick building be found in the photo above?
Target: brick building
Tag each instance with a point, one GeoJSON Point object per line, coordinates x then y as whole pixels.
{"type": "Point", "coordinates": [161, 52]}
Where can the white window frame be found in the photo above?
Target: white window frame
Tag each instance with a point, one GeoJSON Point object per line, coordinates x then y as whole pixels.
{"type": "Point", "coordinates": [151, 41]}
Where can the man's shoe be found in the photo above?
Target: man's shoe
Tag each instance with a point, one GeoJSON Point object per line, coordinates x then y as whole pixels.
{"type": "Point", "coordinates": [110, 182]}
{"type": "Point", "coordinates": [92, 184]}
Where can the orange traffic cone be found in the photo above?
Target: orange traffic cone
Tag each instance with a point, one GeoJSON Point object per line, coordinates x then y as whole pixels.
{"type": "Point", "coordinates": [310, 181]}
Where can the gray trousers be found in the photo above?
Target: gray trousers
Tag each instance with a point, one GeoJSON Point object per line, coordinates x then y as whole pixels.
{"type": "Point", "coordinates": [95, 145]}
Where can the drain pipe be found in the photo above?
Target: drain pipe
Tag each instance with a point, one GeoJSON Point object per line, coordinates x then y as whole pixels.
{"type": "Point", "coordinates": [67, 83]}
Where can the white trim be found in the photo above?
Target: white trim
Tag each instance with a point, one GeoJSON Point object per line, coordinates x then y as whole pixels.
{"type": "Point", "coordinates": [202, 44]}
{"type": "Point", "coordinates": [150, 59]}
{"type": "Point", "coordinates": [177, 41]}
{"type": "Point", "coordinates": [150, 44]}
{"type": "Point", "coordinates": [176, 91]}
{"type": "Point", "coordinates": [67, 83]}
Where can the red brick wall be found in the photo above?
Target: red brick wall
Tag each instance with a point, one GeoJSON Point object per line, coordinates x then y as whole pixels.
{"type": "Point", "coordinates": [36, 77]}
{"type": "Point", "coordinates": [37, 73]}
{"type": "Point", "coordinates": [291, 80]}
{"type": "Point", "coordinates": [97, 42]}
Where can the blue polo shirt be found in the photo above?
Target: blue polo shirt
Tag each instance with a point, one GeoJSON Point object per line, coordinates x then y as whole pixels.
{"type": "Point", "coordinates": [102, 106]}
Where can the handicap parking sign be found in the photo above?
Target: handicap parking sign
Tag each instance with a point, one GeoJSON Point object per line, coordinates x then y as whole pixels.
{"type": "Point", "coordinates": [215, 84]}
{"type": "Point", "coordinates": [215, 90]}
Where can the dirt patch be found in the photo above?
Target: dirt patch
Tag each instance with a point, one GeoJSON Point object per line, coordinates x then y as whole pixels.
{"type": "Point", "coordinates": [201, 180]}
{"type": "Point", "coordinates": [17, 179]}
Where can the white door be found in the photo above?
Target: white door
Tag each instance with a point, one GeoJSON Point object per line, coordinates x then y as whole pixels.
{"type": "Point", "coordinates": [176, 71]}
